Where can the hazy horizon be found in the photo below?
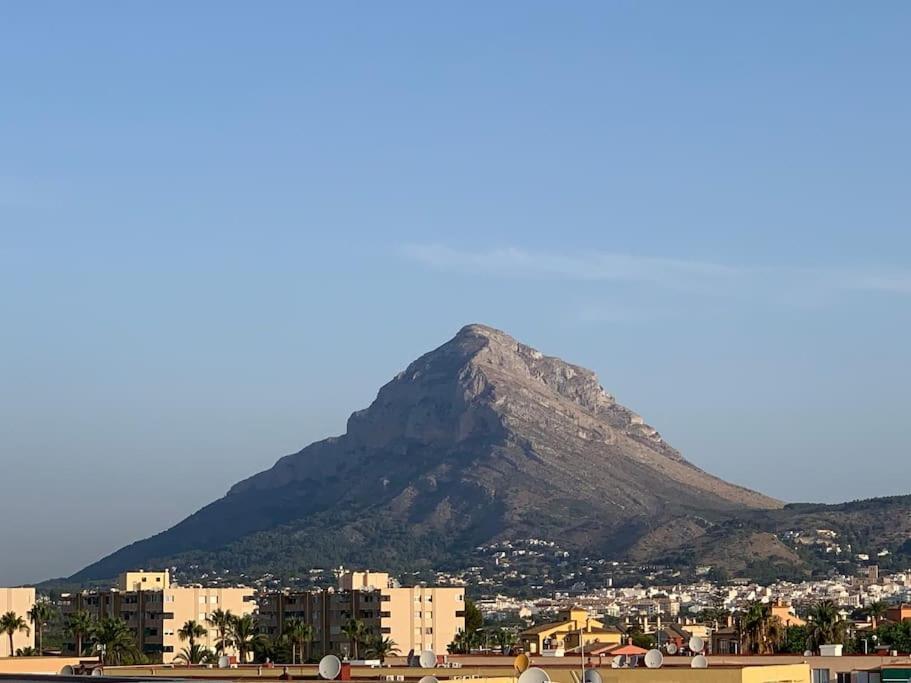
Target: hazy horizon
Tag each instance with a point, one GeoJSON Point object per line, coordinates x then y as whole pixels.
{"type": "Point", "coordinates": [224, 227]}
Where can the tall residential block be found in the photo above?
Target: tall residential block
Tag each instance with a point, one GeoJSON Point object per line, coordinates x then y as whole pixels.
{"type": "Point", "coordinates": [20, 601]}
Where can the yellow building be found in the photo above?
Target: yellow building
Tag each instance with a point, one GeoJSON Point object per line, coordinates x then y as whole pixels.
{"type": "Point", "coordinates": [20, 601]}
{"type": "Point", "coordinates": [573, 625]}
{"type": "Point", "coordinates": [142, 580]}
{"type": "Point", "coordinates": [417, 618]}
{"type": "Point", "coordinates": [155, 616]}
{"type": "Point", "coordinates": [777, 673]}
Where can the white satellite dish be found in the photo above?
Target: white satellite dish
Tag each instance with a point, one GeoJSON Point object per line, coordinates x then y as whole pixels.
{"type": "Point", "coordinates": [429, 679]}
{"type": "Point", "coordinates": [534, 674]}
{"type": "Point", "coordinates": [329, 667]}
{"type": "Point", "coordinates": [616, 662]}
{"type": "Point", "coordinates": [428, 659]}
{"type": "Point", "coordinates": [224, 662]}
{"type": "Point", "coordinates": [654, 659]}
{"type": "Point", "coordinates": [67, 670]}
{"type": "Point", "coordinates": [671, 648]}
{"type": "Point", "coordinates": [697, 644]}
{"type": "Point", "coordinates": [808, 653]}
{"type": "Point", "coordinates": [98, 671]}
{"type": "Point", "coordinates": [699, 662]}
{"type": "Point", "coordinates": [592, 676]}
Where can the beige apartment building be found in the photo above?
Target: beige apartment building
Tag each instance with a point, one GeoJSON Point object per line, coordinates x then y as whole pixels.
{"type": "Point", "coordinates": [417, 618]}
{"type": "Point", "coordinates": [156, 614]}
{"type": "Point", "coordinates": [20, 601]}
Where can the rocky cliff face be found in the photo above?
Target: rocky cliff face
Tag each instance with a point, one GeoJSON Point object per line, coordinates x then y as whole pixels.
{"type": "Point", "coordinates": [481, 438]}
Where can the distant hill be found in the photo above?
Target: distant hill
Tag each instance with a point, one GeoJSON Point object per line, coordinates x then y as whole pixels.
{"type": "Point", "coordinates": [482, 439]}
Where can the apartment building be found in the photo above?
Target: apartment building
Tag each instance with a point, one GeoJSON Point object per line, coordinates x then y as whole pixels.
{"type": "Point", "coordinates": [20, 601]}
{"type": "Point", "coordinates": [416, 618]}
{"type": "Point", "coordinates": [155, 615]}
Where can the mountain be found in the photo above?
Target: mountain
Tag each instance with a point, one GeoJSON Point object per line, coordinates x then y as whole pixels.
{"type": "Point", "coordinates": [482, 439]}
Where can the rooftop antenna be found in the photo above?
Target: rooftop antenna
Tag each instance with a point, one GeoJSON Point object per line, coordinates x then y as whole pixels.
{"type": "Point", "coordinates": [429, 679]}
{"type": "Point", "coordinates": [654, 659]}
{"type": "Point", "coordinates": [697, 644]}
{"type": "Point", "coordinates": [699, 662]}
{"type": "Point", "coordinates": [428, 659]}
{"type": "Point", "coordinates": [671, 648]}
{"type": "Point", "coordinates": [521, 663]}
{"type": "Point", "coordinates": [592, 676]}
{"type": "Point", "coordinates": [534, 675]}
{"type": "Point", "coordinates": [329, 667]}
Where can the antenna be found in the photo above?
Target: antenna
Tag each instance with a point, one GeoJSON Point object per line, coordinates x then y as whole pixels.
{"type": "Point", "coordinates": [428, 659]}
{"type": "Point", "coordinates": [98, 671]}
{"type": "Point", "coordinates": [699, 662]}
{"type": "Point", "coordinates": [592, 676]}
{"type": "Point", "coordinates": [654, 659]}
{"type": "Point", "coordinates": [67, 670]}
{"type": "Point", "coordinates": [697, 644]}
{"type": "Point", "coordinates": [521, 663]}
{"type": "Point", "coordinates": [329, 667]}
{"type": "Point", "coordinates": [429, 679]}
{"type": "Point", "coordinates": [671, 648]}
{"type": "Point", "coordinates": [534, 675]}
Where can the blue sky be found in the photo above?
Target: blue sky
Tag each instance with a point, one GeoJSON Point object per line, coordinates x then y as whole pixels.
{"type": "Point", "coordinates": [224, 225]}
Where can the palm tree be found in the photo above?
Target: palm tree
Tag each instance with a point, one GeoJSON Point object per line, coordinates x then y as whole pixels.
{"type": "Point", "coordinates": [356, 632]}
{"type": "Point", "coordinates": [80, 625]}
{"type": "Point", "coordinates": [825, 625]}
{"type": "Point", "coordinates": [220, 620]}
{"type": "Point", "coordinates": [195, 654]}
{"type": "Point", "coordinates": [505, 638]}
{"type": "Point", "coordinates": [40, 613]}
{"type": "Point", "coordinates": [760, 632]}
{"type": "Point", "coordinates": [876, 610]}
{"type": "Point", "coordinates": [191, 630]}
{"type": "Point", "coordinates": [115, 641]}
{"type": "Point", "coordinates": [11, 624]}
{"type": "Point", "coordinates": [381, 648]}
{"type": "Point", "coordinates": [243, 633]}
{"type": "Point", "coordinates": [26, 652]}
{"type": "Point", "coordinates": [300, 633]}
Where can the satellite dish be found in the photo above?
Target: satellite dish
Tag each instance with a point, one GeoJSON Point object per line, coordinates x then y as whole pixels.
{"type": "Point", "coordinates": [521, 663]}
{"type": "Point", "coordinates": [697, 644]}
{"type": "Point", "coordinates": [616, 662]}
{"type": "Point", "coordinates": [428, 659]}
{"type": "Point", "coordinates": [534, 675]}
{"type": "Point", "coordinates": [429, 679]}
{"type": "Point", "coordinates": [592, 676]}
{"type": "Point", "coordinates": [224, 662]}
{"type": "Point", "coordinates": [808, 653]}
{"type": "Point", "coordinates": [329, 667]}
{"type": "Point", "coordinates": [98, 671]}
{"type": "Point", "coordinates": [699, 662]}
{"type": "Point", "coordinates": [67, 670]}
{"type": "Point", "coordinates": [671, 648]}
{"type": "Point", "coordinates": [654, 659]}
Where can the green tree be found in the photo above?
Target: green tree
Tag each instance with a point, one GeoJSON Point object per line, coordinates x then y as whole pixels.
{"type": "Point", "coordinates": [220, 620]}
{"type": "Point", "coordinates": [40, 614]}
{"type": "Point", "coordinates": [505, 639]}
{"type": "Point", "coordinates": [244, 635]}
{"type": "Point", "coordinates": [357, 634]}
{"type": "Point", "coordinates": [795, 640]}
{"type": "Point", "coordinates": [825, 625]}
{"type": "Point", "coordinates": [760, 632]}
{"type": "Point", "coordinates": [196, 654]}
{"type": "Point", "coordinates": [115, 641]}
{"type": "Point", "coordinates": [26, 652]}
{"type": "Point", "coordinates": [11, 624]}
{"type": "Point", "coordinates": [380, 648]}
{"type": "Point", "coordinates": [79, 624]}
{"type": "Point", "coordinates": [190, 631]}
{"type": "Point", "coordinates": [876, 611]}
{"type": "Point", "coordinates": [897, 635]}
{"type": "Point", "coordinates": [474, 620]}
{"type": "Point", "coordinates": [300, 634]}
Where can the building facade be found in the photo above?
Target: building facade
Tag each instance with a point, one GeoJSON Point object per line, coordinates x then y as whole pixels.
{"type": "Point", "coordinates": [417, 618]}
{"type": "Point", "coordinates": [20, 601]}
{"type": "Point", "coordinates": [575, 628]}
{"type": "Point", "coordinates": [156, 615]}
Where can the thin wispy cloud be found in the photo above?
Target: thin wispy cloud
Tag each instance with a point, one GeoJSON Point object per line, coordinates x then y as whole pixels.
{"type": "Point", "coordinates": [705, 277]}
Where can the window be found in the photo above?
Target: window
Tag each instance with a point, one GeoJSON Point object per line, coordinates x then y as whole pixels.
{"type": "Point", "coordinates": [428, 631]}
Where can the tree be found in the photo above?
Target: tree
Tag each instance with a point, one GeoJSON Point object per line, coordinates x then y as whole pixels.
{"type": "Point", "coordinates": [356, 632]}
{"type": "Point", "coordinates": [876, 611]}
{"type": "Point", "coordinates": [26, 652]}
{"type": "Point", "coordinates": [380, 648]}
{"type": "Point", "coordinates": [115, 641]}
{"type": "Point", "coordinates": [190, 631]}
{"type": "Point", "coordinates": [220, 620]}
{"type": "Point", "coordinates": [760, 632]}
{"type": "Point", "coordinates": [80, 625]}
{"type": "Point", "coordinates": [196, 654]}
{"type": "Point", "coordinates": [897, 635]}
{"type": "Point", "coordinates": [795, 640]}
{"type": "Point", "coordinates": [824, 625]}
{"type": "Point", "coordinates": [11, 624]}
{"type": "Point", "coordinates": [244, 635]}
{"type": "Point", "coordinates": [40, 614]}
{"type": "Point", "coordinates": [505, 638]}
{"type": "Point", "coordinates": [300, 633]}
{"type": "Point", "coordinates": [473, 617]}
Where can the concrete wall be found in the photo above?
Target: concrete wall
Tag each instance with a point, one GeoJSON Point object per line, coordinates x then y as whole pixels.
{"type": "Point", "coordinates": [35, 665]}
{"type": "Point", "coordinates": [20, 601]}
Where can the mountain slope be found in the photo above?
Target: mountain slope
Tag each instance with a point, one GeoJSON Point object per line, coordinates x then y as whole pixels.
{"type": "Point", "coordinates": [482, 438]}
